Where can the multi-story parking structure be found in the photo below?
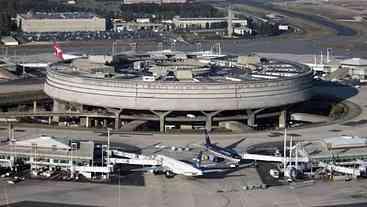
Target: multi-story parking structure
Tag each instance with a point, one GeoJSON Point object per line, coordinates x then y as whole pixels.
{"type": "Point", "coordinates": [189, 91]}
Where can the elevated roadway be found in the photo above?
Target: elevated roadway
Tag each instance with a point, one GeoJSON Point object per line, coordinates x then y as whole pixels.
{"type": "Point", "coordinates": [21, 90]}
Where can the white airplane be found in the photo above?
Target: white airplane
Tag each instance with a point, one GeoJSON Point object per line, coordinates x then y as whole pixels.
{"type": "Point", "coordinates": [59, 54]}
{"type": "Point", "coordinates": [171, 167]}
{"type": "Point", "coordinates": [162, 164]}
{"type": "Point", "coordinates": [63, 56]}
{"type": "Point", "coordinates": [34, 65]}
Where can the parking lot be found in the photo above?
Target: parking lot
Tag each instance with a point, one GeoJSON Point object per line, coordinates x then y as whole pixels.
{"type": "Point", "coordinates": [24, 37]}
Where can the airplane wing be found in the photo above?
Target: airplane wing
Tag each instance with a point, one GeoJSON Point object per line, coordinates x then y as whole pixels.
{"type": "Point", "coordinates": [150, 146]}
{"type": "Point", "coordinates": [233, 145]}
{"type": "Point", "coordinates": [145, 169]}
{"type": "Point", "coordinates": [179, 167]}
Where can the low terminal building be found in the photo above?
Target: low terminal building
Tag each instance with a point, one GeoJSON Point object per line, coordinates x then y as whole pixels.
{"type": "Point", "coordinates": [337, 149]}
{"type": "Point", "coordinates": [60, 22]}
{"type": "Point", "coordinates": [206, 23]}
{"type": "Point", "coordinates": [47, 151]}
{"type": "Point", "coordinates": [121, 25]}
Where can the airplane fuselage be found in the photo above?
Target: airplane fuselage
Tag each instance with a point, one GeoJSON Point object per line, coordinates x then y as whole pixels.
{"type": "Point", "coordinates": [223, 153]}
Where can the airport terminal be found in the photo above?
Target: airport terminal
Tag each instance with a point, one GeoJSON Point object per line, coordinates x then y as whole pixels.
{"type": "Point", "coordinates": [170, 87]}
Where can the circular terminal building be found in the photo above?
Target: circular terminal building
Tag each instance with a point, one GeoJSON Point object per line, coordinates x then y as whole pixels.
{"type": "Point", "coordinates": [169, 89]}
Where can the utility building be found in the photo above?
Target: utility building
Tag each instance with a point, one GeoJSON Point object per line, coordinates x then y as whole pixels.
{"type": "Point", "coordinates": [60, 22]}
{"type": "Point", "coordinates": [357, 67]}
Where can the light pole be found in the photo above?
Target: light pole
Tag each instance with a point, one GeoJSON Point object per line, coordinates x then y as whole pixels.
{"type": "Point", "coordinates": [290, 150]}
{"type": "Point", "coordinates": [108, 146]}
{"type": "Point", "coordinates": [108, 150]}
{"type": "Point", "coordinates": [71, 157]}
{"type": "Point", "coordinates": [34, 147]}
{"type": "Point", "coordinates": [103, 146]}
{"type": "Point", "coordinates": [285, 150]}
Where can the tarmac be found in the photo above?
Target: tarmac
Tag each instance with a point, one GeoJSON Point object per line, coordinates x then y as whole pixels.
{"type": "Point", "coordinates": [180, 191]}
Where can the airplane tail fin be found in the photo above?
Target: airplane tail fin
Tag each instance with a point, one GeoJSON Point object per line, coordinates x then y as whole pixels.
{"type": "Point", "coordinates": [207, 138]}
{"type": "Point", "coordinates": [58, 51]}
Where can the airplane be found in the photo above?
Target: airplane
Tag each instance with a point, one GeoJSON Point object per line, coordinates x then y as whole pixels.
{"type": "Point", "coordinates": [171, 167]}
{"type": "Point", "coordinates": [224, 152]}
{"type": "Point", "coordinates": [24, 65]}
{"type": "Point", "coordinates": [58, 52]}
{"type": "Point", "coordinates": [63, 56]}
{"type": "Point", "coordinates": [162, 164]}
{"type": "Point", "coordinates": [34, 65]}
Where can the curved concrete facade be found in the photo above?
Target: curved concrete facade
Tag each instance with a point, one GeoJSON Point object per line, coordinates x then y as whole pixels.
{"type": "Point", "coordinates": [178, 96]}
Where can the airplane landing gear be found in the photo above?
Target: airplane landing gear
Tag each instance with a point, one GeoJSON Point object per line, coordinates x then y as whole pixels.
{"type": "Point", "coordinates": [169, 174]}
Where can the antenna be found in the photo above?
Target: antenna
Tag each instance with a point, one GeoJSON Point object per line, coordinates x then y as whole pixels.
{"type": "Point", "coordinates": [220, 48]}
{"type": "Point", "coordinates": [315, 60]}
{"type": "Point", "coordinates": [321, 58]}
{"type": "Point", "coordinates": [290, 150]}
{"type": "Point", "coordinates": [328, 54]}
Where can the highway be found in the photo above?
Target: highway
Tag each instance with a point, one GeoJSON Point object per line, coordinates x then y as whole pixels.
{"type": "Point", "coordinates": [340, 30]}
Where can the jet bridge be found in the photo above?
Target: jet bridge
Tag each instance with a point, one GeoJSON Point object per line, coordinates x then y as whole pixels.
{"type": "Point", "coordinates": [269, 158]}
{"type": "Point", "coordinates": [345, 170]}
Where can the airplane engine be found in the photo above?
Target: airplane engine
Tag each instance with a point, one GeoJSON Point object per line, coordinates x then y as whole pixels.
{"type": "Point", "coordinates": [169, 174]}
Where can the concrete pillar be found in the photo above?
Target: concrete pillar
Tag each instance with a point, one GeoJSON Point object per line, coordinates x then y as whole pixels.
{"type": "Point", "coordinates": [209, 119]}
{"type": "Point", "coordinates": [10, 131]}
{"type": "Point", "coordinates": [117, 121]}
{"type": "Point", "coordinates": [104, 123]}
{"type": "Point", "coordinates": [88, 122]}
{"type": "Point", "coordinates": [251, 117]}
{"type": "Point", "coordinates": [80, 108]}
{"type": "Point", "coordinates": [49, 120]}
{"type": "Point", "coordinates": [117, 113]}
{"type": "Point", "coordinates": [58, 106]}
{"type": "Point", "coordinates": [12, 161]}
{"type": "Point", "coordinates": [283, 119]}
{"type": "Point", "coordinates": [95, 123]}
{"type": "Point", "coordinates": [162, 119]}
{"type": "Point", "coordinates": [34, 106]}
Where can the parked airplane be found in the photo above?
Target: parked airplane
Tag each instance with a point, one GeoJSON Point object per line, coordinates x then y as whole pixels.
{"type": "Point", "coordinates": [34, 65]}
{"type": "Point", "coordinates": [227, 152]}
{"type": "Point", "coordinates": [58, 54]}
{"type": "Point", "coordinates": [63, 56]}
{"type": "Point", "coordinates": [162, 164]}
